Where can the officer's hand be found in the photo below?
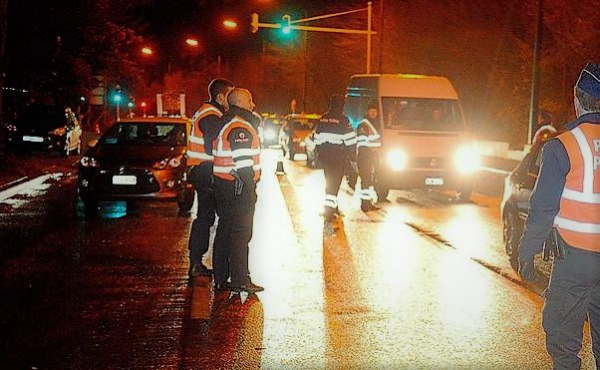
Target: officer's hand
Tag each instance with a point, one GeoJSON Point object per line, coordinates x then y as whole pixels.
{"type": "Point", "coordinates": [527, 270]}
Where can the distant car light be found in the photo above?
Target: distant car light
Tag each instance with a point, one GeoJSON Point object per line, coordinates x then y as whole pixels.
{"type": "Point", "coordinates": [396, 159]}
{"type": "Point", "coordinates": [269, 134]}
{"type": "Point", "coordinates": [467, 159]}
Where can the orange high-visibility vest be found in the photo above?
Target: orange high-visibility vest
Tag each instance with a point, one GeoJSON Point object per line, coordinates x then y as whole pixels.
{"type": "Point", "coordinates": [196, 152]}
{"type": "Point", "coordinates": [226, 159]}
{"type": "Point", "coordinates": [578, 220]}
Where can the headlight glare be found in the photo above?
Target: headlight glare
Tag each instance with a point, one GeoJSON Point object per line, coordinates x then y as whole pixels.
{"type": "Point", "coordinates": [396, 159]}
{"type": "Point", "coordinates": [467, 159]}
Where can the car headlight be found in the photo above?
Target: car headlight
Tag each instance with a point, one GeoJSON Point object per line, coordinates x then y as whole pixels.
{"type": "Point", "coordinates": [88, 161]}
{"type": "Point", "coordinates": [467, 159]}
{"type": "Point", "coordinates": [61, 131]}
{"type": "Point", "coordinates": [269, 134]}
{"type": "Point", "coordinates": [11, 128]}
{"type": "Point", "coordinates": [396, 159]}
{"type": "Point", "coordinates": [168, 163]}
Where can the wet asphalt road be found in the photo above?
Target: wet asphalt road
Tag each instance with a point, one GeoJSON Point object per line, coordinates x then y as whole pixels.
{"type": "Point", "coordinates": [417, 285]}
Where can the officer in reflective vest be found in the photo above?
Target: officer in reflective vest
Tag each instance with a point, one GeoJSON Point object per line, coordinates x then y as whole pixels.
{"type": "Point", "coordinates": [335, 140]}
{"type": "Point", "coordinates": [368, 142]}
{"type": "Point", "coordinates": [236, 171]}
{"type": "Point", "coordinates": [566, 200]}
{"type": "Point", "coordinates": [205, 122]}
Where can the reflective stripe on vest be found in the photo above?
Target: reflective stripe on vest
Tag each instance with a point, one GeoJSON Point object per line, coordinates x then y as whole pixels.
{"type": "Point", "coordinates": [226, 160]}
{"type": "Point", "coordinates": [196, 152]}
{"type": "Point", "coordinates": [348, 138]}
{"type": "Point", "coordinates": [371, 140]}
{"type": "Point", "coordinates": [578, 219]}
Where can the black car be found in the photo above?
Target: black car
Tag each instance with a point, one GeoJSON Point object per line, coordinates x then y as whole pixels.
{"type": "Point", "coordinates": [138, 159]}
{"type": "Point", "coordinates": [46, 128]}
{"type": "Point", "coordinates": [514, 207]}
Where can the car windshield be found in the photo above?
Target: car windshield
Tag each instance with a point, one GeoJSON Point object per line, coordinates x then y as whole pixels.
{"type": "Point", "coordinates": [421, 114]}
{"type": "Point", "coordinates": [44, 116]}
{"type": "Point", "coordinates": [152, 134]}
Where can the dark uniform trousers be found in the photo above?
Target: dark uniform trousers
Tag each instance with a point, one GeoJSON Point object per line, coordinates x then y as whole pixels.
{"type": "Point", "coordinates": [234, 232]}
{"type": "Point", "coordinates": [333, 159]}
{"type": "Point", "coordinates": [367, 160]}
{"type": "Point", "coordinates": [574, 288]}
{"type": "Point", "coordinates": [201, 177]}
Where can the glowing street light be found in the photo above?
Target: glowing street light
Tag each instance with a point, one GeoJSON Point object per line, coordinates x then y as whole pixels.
{"type": "Point", "coordinates": [192, 42]}
{"type": "Point", "coordinates": [228, 23]}
{"type": "Point", "coordinates": [147, 51]}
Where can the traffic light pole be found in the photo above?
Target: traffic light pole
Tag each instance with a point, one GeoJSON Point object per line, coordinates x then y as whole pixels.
{"type": "Point", "coordinates": [292, 25]}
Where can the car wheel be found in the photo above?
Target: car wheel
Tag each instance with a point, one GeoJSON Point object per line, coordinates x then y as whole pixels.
{"type": "Point", "coordinates": [90, 204]}
{"type": "Point", "coordinates": [511, 234]}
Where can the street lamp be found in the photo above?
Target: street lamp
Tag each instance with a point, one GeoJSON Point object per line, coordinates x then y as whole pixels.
{"type": "Point", "coordinates": [229, 23]}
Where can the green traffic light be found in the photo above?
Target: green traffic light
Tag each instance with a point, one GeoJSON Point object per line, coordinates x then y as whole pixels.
{"type": "Point", "coordinates": [286, 30]}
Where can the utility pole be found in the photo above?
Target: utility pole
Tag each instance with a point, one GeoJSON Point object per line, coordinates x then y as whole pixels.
{"type": "Point", "coordinates": [535, 81]}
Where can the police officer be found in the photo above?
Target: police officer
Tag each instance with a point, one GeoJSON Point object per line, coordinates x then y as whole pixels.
{"type": "Point", "coordinates": [236, 170]}
{"type": "Point", "coordinates": [335, 141]}
{"type": "Point", "coordinates": [368, 142]}
{"type": "Point", "coordinates": [566, 202]}
{"type": "Point", "coordinates": [205, 122]}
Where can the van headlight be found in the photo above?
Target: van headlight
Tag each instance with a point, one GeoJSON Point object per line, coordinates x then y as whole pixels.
{"type": "Point", "coordinates": [467, 159]}
{"type": "Point", "coordinates": [396, 159]}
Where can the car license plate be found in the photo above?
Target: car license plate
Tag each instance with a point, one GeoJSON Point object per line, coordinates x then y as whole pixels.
{"type": "Point", "coordinates": [124, 180]}
{"type": "Point", "coordinates": [436, 181]}
{"type": "Point", "coordinates": [33, 139]}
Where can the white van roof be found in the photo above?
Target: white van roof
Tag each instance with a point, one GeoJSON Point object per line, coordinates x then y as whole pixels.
{"type": "Point", "coordinates": [410, 85]}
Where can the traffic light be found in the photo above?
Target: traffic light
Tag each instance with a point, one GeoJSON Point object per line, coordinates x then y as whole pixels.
{"type": "Point", "coordinates": [285, 26]}
{"type": "Point", "coordinates": [254, 22]}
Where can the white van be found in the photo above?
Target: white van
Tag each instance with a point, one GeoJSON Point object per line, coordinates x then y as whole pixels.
{"type": "Point", "coordinates": [425, 139]}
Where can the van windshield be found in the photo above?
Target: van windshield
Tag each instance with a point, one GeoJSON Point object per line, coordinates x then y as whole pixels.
{"type": "Point", "coordinates": [416, 114]}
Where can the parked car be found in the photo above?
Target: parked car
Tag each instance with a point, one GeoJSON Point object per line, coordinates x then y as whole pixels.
{"type": "Point", "coordinates": [138, 159]}
{"type": "Point", "coordinates": [294, 131]}
{"type": "Point", "coordinates": [269, 130]}
{"type": "Point", "coordinates": [514, 206]}
{"type": "Point", "coordinates": [46, 128]}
